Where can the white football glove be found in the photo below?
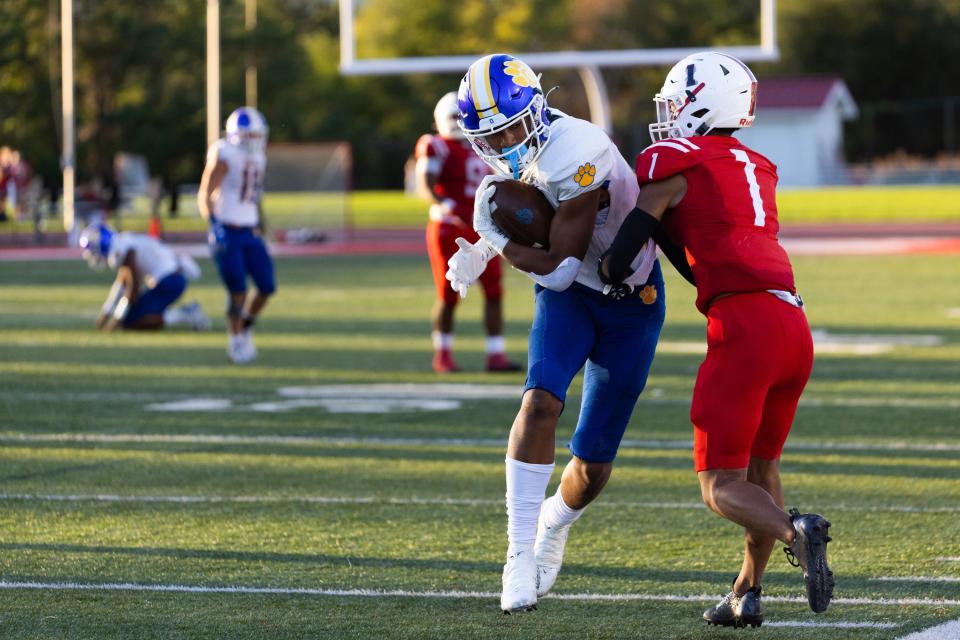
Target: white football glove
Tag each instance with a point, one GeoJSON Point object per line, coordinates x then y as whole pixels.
{"type": "Point", "coordinates": [468, 263]}
{"type": "Point", "coordinates": [443, 211]}
{"type": "Point", "coordinates": [483, 210]}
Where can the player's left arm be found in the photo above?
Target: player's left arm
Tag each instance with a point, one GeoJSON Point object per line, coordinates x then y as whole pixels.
{"type": "Point", "coordinates": [640, 224]}
{"type": "Point", "coordinates": [570, 232]}
{"type": "Point", "coordinates": [127, 288]}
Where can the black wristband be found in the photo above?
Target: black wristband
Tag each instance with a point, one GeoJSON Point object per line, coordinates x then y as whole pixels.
{"type": "Point", "coordinates": [634, 233]}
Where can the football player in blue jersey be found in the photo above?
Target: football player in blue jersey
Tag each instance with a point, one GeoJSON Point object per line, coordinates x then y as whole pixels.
{"type": "Point", "coordinates": [504, 114]}
{"type": "Point", "coordinates": [150, 279]}
{"type": "Point", "coordinates": [229, 200]}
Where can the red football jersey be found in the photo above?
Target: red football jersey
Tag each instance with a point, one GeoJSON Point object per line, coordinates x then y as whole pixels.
{"type": "Point", "coordinates": [458, 168]}
{"type": "Point", "coordinates": [727, 221]}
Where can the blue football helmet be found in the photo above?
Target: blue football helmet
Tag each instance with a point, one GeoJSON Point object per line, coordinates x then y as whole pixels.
{"type": "Point", "coordinates": [247, 128]}
{"type": "Point", "coordinates": [497, 93]}
{"type": "Point", "coordinates": [95, 240]}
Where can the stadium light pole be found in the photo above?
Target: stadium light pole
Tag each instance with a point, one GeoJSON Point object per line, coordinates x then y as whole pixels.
{"type": "Point", "coordinates": [213, 71]}
{"type": "Point", "coordinates": [250, 22]}
{"type": "Point", "coordinates": [66, 89]}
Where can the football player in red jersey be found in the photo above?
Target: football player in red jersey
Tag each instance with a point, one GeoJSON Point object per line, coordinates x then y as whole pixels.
{"type": "Point", "coordinates": [705, 192]}
{"type": "Point", "coordinates": [448, 173]}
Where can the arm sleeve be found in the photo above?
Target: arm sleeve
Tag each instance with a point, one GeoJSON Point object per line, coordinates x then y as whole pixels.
{"type": "Point", "coordinates": [634, 233]}
{"type": "Point", "coordinates": [676, 254]}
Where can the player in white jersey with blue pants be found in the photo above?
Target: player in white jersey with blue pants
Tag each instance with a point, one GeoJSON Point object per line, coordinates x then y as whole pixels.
{"type": "Point", "coordinates": [150, 279]}
{"type": "Point", "coordinates": [229, 200]}
{"type": "Point", "coordinates": [581, 172]}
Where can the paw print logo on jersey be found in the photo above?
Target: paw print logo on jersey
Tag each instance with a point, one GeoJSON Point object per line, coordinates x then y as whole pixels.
{"type": "Point", "coordinates": [522, 75]}
{"type": "Point", "coordinates": [585, 174]}
{"type": "Point", "coordinates": [648, 294]}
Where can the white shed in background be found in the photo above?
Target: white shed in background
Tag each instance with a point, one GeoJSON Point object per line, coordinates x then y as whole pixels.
{"type": "Point", "coordinates": [799, 127]}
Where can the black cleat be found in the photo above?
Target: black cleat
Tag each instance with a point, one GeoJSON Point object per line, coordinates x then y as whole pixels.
{"type": "Point", "coordinates": [737, 611]}
{"type": "Point", "coordinates": [750, 611]}
{"type": "Point", "coordinates": [809, 552]}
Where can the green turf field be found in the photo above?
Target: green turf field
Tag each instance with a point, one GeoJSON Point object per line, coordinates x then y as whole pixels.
{"type": "Point", "coordinates": [284, 488]}
{"type": "Point", "coordinates": [378, 209]}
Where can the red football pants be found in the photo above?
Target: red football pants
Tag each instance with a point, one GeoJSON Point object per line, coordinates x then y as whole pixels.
{"type": "Point", "coordinates": [759, 358]}
{"type": "Point", "coordinates": [441, 245]}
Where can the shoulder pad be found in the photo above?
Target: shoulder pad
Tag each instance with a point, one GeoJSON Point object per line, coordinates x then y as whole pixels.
{"type": "Point", "coordinates": [667, 158]}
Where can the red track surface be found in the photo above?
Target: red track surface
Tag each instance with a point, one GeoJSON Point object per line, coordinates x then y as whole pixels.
{"type": "Point", "coordinates": [820, 239]}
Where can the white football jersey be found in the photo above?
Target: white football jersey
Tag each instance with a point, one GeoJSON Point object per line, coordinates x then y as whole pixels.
{"type": "Point", "coordinates": [236, 201]}
{"type": "Point", "coordinates": [154, 261]}
{"type": "Point", "coordinates": [580, 157]}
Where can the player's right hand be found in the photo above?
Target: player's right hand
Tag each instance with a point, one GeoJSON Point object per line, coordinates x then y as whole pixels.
{"type": "Point", "coordinates": [483, 208]}
{"type": "Point", "coordinates": [467, 264]}
{"type": "Point", "coordinates": [216, 235]}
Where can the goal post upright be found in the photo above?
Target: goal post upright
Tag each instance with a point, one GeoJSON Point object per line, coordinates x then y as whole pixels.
{"type": "Point", "coordinates": [587, 63]}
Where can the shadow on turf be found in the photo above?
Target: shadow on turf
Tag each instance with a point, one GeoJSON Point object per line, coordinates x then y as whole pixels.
{"type": "Point", "coordinates": [635, 459]}
{"type": "Point", "coordinates": [494, 568]}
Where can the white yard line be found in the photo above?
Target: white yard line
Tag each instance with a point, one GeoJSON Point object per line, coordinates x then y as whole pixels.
{"type": "Point", "coordinates": [376, 593]}
{"type": "Point", "coordinates": [831, 625]}
{"type": "Point", "coordinates": [946, 631]}
{"type": "Point", "coordinates": [411, 500]}
{"type": "Point", "coordinates": [954, 559]}
{"type": "Point", "coordinates": [917, 579]}
{"type": "Point", "coordinates": [233, 439]}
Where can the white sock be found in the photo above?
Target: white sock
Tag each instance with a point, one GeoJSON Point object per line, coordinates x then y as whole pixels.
{"type": "Point", "coordinates": [526, 486]}
{"type": "Point", "coordinates": [556, 513]}
{"type": "Point", "coordinates": [173, 316]}
{"type": "Point", "coordinates": [442, 341]}
{"type": "Point", "coordinates": [495, 344]}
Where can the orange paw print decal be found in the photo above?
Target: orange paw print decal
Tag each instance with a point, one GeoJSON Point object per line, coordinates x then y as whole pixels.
{"type": "Point", "coordinates": [523, 76]}
{"type": "Point", "coordinates": [585, 174]}
{"type": "Point", "coordinates": [648, 294]}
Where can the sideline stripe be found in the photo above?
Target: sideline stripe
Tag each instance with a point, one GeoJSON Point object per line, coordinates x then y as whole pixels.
{"type": "Point", "coordinates": [470, 502]}
{"type": "Point", "coordinates": [160, 438]}
{"type": "Point", "coordinates": [944, 631]}
{"type": "Point", "coordinates": [374, 593]}
{"type": "Point", "coordinates": [954, 559]}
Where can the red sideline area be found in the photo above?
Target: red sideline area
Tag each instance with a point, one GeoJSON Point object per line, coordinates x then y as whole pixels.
{"type": "Point", "coordinates": [814, 239]}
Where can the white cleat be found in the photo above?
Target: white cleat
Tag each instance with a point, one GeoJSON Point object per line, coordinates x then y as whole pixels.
{"type": "Point", "coordinates": [519, 583]}
{"type": "Point", "coordinates": [548, 551]}
{"type": "Point", "coordinates": [251, 351]}
{"type": "Point", "coordinates": [196, 318]}
{"type": "Point", "coordinates": [240, 350]}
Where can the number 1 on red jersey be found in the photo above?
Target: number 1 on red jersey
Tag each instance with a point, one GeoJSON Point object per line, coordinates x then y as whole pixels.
{"type": "Point", "coordinates": [749, 168]}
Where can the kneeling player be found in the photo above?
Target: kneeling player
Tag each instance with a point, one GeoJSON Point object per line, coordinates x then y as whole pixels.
{"type": "Point", "coordinates": [150, 278]}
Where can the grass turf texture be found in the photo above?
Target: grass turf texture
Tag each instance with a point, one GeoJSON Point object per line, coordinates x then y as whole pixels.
{"type": "Point", "coordinates": [364, 320]}
{"type": "Point", "coordinates": [378, 209]}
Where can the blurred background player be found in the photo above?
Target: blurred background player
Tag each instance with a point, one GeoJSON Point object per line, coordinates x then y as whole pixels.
{"type": "Point", "coordinates": [717, 198]}
{"type": "Point", "coordinates": [575, 326]}
{"type": "Point", "coordinates": [229, 200]}
{"type": "Point", "coordinates": [142, 262]}
{"type": "Point", "coordinates": [448, 173]}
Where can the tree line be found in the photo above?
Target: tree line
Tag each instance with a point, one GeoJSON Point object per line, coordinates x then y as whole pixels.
{"type": "Point", "coordinates": [140, 69]}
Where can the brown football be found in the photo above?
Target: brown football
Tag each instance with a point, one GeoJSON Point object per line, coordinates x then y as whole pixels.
{"type": "Point", "coordinates": [522, 212]}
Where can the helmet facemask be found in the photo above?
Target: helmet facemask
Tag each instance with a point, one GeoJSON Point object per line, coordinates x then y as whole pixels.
{"type": "Point", "coordinates": [95, 241]}
{"type": "Point", "coordinates": [249, 141]}
{"type": "Point", "coordinates": [515, 159]}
